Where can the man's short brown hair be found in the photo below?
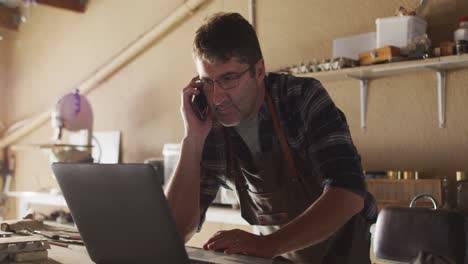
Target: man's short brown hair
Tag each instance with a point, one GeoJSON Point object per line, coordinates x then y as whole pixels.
{"type": "Point", "coordinates": [227, 35]}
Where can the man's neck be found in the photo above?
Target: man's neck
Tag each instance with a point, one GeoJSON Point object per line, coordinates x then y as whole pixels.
{"type": "Point", "coordinates": [259, 101]}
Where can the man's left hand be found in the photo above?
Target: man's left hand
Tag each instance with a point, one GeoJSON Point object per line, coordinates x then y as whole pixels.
{"type": "Point", "coordinates": [241, 242]}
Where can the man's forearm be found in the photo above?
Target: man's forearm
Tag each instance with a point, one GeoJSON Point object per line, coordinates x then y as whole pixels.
{"type": "Point", "coordinates": [183, 190]}
{"type": "Point", "coordinates": [322, 219]}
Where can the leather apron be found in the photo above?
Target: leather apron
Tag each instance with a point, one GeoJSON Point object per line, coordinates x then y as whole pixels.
{"type": "Point", "coordinates": [283, 201]}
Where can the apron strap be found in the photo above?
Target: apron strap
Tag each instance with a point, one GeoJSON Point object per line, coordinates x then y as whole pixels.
{"type": "Point", "coordinates": [295, 175]}
{"type": "Point", "coordinates": [282, 139]}
{"type": "Point", "coordinates": [231, 161]}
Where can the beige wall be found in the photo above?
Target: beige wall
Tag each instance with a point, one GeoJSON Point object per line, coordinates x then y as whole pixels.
{"type": "Point", "coordinates": [3, 75]}
{"type": "Point", "coordinates": [57, 49]}
{"type": "Point", "coordinates": [402, 124]}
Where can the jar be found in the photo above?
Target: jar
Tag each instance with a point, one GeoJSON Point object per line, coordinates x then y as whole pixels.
{"type": "Point", "coordinates": [445, 193]}
{"type": "Point", "coordinates": [462, 32]}
{"type": "Point", "coordinates": [409, 175]}
{"type": "Point", "coordinates": [461, 36]}
{"type": "Point", "coordinates": [462, 193]}
{"type": "Point", "coordinates": [395, 175]}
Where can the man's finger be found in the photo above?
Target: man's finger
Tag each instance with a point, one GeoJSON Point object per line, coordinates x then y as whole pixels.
{"type": "Point", "coordinates": [220, 244]}
{"type": "Point", "coordinates": [187, 95]}
{"type": "Point", "coordinates": [218, 235]}
{"type": "Point", "coordinates": [235, 249]}
{"type": "Point", "coordinates": [213, 241]}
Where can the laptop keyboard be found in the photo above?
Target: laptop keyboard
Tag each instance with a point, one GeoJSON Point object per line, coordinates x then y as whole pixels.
{"type": "Point", "coordinates": [193, 261]}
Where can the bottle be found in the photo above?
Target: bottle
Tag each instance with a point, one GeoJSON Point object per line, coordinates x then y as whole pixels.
{"type": "Point", "coordinates": [462, 32]}
{"type": "Point", "coordinates": [462, 193]}
{"type": "Point", "coordinates": [445, 193]}
{"type": "Point", "coordinates": [461, 36]}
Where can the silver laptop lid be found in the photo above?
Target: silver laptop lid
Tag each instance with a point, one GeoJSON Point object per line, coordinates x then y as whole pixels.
{"type": "Point", "coordinates": [121, 213]}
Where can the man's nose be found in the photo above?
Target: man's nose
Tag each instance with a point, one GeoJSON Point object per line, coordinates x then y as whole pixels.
{"type": "Point", "coordinates": [218, 94]}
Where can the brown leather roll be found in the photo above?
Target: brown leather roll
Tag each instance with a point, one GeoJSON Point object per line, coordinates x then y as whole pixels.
{"type": "Point", "coordinates": [402, 233]}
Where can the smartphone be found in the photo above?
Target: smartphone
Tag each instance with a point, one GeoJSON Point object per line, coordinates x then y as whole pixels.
{"type": "Point", "coordinates": [200, 103]}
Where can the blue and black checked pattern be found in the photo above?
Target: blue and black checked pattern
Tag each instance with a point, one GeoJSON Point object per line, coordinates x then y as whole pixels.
{"type": "Point", "coordinates": [317, 133]}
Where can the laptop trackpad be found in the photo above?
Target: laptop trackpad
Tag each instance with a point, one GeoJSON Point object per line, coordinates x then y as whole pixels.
{"type": "Point", "coordinates": [221, 258]}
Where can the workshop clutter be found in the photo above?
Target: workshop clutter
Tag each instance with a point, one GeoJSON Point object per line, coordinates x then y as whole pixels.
{"type": "Point", "coordinates": [29, 240]}
{"type": "Point", "coordinates": [397, 38]}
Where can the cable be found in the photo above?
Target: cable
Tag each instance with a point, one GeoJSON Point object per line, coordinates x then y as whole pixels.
{"type": "Point", "coordinates": [99, 148]}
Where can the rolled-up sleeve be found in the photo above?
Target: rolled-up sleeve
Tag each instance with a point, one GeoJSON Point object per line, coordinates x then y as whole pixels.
{"type": "Point", "coordinates": [209, 186]}
{"type": "Point", "coordinates": [211, 167]}
{"type": "Point", "coordinates": [328, 143]}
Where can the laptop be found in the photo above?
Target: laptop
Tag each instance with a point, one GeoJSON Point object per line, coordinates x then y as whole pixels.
{"type": "Point", "coordinates": [123, 217]}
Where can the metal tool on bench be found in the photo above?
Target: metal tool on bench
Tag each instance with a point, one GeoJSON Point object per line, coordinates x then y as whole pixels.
{"type": "Point", "coordinates": [20, 248]}
{"type": "Point", "coordinates": [58, 237]}
{"type": "Point", "coordinates": [38, 228]}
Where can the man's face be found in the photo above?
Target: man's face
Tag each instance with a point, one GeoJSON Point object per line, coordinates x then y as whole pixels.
{"type": "Point", "coordinates": [238, 102]}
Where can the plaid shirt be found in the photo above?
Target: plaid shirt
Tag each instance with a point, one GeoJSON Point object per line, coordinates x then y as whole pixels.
{"type": "Point", "coordinates": [316, 131]}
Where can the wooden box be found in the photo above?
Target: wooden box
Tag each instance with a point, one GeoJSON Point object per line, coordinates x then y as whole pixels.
{"type": "Point", "coordinates": [385, 54]}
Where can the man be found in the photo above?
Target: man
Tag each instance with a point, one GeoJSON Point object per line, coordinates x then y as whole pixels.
{"type": "Point", "coordinates": [281, 143]}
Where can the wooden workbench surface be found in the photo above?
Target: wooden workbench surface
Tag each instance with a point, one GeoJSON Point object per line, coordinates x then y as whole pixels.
{"type": "Point", "coordinates": [71, 255]}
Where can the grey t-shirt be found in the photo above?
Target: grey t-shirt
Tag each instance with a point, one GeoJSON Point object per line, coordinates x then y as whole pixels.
{"type": "Point", "coordinates": [248, 130]}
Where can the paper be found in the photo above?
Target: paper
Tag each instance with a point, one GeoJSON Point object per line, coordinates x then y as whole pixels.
{"type": "Point", "coordinates": [106, 145]}
{"type": "Point", "coordinates": [350, 47]}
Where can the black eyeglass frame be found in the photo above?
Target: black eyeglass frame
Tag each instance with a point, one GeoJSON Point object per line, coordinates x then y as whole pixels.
{"type": "Point", "coordinates": [208, 84]}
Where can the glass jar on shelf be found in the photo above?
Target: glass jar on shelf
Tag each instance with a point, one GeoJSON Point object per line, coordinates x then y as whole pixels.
{"type": "Point", "coordinates": [445, 193]}
{"type": "Point", "coordinates": [462, 192]}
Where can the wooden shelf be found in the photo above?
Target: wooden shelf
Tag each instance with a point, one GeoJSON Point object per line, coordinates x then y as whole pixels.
{"type": "Point", "coordinates": [395, 68]}
{"type": "Point", "coordinates": [439, 65]}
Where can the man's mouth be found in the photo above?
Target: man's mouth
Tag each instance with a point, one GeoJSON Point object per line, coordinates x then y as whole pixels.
{"type": "Point", "coordinates": [223, 109]}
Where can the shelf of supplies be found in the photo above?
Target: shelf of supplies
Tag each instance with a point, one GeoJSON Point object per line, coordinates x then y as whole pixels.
{"type": "Point", "coordinates": [395, 68]}
{"type": "Point", "coordinates": [439, 65]}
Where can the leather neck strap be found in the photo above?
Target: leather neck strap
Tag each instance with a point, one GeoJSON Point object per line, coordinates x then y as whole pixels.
{"type": "Point", "coordinates": [282, 139]}
{"type": "Point", "coordinates": [279, 133]}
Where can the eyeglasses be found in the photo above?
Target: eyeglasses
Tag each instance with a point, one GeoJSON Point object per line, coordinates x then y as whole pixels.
{"type": "Point", "coordinates": [226, 82]}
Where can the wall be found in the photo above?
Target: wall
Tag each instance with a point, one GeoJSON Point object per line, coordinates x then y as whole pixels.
{"type": "Point", "coordinates": [402, 123]}
{"type": "Point", "coordinates": [57, 49]}
{"type": "Point", "coordinates": [3, 77]}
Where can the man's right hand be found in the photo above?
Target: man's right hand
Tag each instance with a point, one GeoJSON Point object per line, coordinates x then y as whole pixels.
{"type": "Point", "coordinates": [183, 189]}
{"type": "Point", "coordinates": [196, 130]}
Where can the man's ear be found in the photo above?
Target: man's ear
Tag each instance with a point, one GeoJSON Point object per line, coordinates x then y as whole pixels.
{"type": "Point", "coordinates": [260, 70]}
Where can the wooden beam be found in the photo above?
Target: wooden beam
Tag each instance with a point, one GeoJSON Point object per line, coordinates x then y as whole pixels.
{"type": "Point", "coordinates": [120, 60]}
{"type": "Point", "coordinates": [10, 17]}
{"type": "Point", "coordinates": [74, 5]}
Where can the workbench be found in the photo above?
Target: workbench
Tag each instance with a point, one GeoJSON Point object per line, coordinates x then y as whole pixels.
{"type": "Point", "coordinates": [71, 255]}
{"type": "Point", "coordinates": [218, 214]}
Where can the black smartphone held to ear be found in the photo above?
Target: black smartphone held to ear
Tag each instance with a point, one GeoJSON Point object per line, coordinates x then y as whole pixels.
{"type": "Point", "coordinates": [200, 103]}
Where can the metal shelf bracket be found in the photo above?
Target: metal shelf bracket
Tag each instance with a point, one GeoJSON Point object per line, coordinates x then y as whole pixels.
{"type": "Point", "coordinates": [441, 91]}
{"type": "Point", "coordinates": [440, 65]}
{"type": "Point", "coordinates": [363, 92]}
{"type": "Point", "coordinates": [363, 84]}
{"type": "Point", "coordinates": [441, 78]}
